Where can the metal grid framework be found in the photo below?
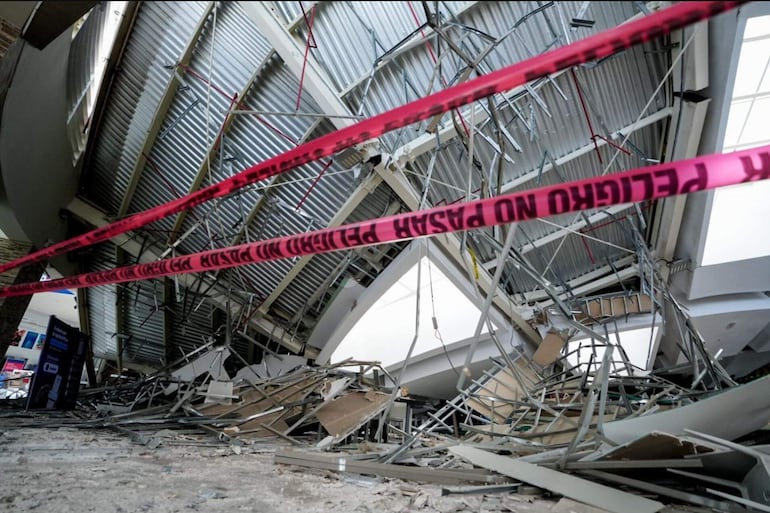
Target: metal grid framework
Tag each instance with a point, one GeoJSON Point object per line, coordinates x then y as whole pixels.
{"type": "Point", "coordinates": [202, 93]}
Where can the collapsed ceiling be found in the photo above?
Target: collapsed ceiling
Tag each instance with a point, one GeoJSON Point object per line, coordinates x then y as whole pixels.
{"type": "Point", "coordinates": [194, 92]}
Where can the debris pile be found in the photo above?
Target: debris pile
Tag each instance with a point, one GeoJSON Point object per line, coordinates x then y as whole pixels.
{"type": "Point", "coordinates": [621, 440]}
{"type": "Point", "coordinates": [611, 441]}
{"type": "Point", "coordinates": [322, 404]}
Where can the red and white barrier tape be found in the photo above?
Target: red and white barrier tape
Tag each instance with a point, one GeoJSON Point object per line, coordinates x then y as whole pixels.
{"type": "Point", "coordinates": [646, 183]}
{"type": "Point", "coordinates": [594, 47]}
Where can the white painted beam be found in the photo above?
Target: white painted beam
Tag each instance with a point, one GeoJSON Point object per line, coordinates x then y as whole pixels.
{"type": "Point", "coordinates": [588, 148]}
{"type": "Point", "coordinates": [214, 145]}
{"type": "Point", "coordinates": [369, 296]}
{"type": "Point", "coordinates": [596, 284]}
{"type": "Point", "coordinates": [361, 192]}
{"type": "Point", "coordinates": [294, 24]}
{"type": "Point", "coordinates": [587, 279]}
{"type": "Point", "coordinates": [690, 127]}
{"type": "Point", "coordinates": [291, 49]}
{"type": "Point", "coordinates": [160, 114]}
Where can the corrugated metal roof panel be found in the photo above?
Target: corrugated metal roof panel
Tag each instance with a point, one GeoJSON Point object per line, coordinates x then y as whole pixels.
{"type": "Point", "coordinates": [190, 324]}
{"type": "Point", "coordinates": [84, 73]}
{"type": "Point", "coordinates": [344, 34]}
{"type": "Point", "coordinates": [102, 304]}
{"type": "Point", "coordinates": [136, 91]}
{"type": "Point", "coordinates": [142, 330]}
{"type": "Point", "coordinates": [198, 111]}
{"type": "Point", "coordinates": [317, 272]}
{"type": "Point", "coordinates": [577, 255]}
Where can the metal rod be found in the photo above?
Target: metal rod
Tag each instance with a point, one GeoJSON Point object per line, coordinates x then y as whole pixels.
{"type": "Point", "coordinates": [293, 114]}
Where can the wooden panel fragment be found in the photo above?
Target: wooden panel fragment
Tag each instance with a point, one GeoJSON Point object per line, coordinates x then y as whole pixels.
{"type": "Point", "coordinates": [617, 306]}
{"type": "Point", "coordinates": [657, 445]}
{"type": "Point", "coordinates": [342, 415]}
{"type": "Point", "coordinates": [549, 349]}
{"type": "Point", "coordinates": [349, 463]}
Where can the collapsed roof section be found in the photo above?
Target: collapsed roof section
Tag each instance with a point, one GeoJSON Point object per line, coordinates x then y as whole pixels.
{"type": "Point", "coordinates": [194, 92]}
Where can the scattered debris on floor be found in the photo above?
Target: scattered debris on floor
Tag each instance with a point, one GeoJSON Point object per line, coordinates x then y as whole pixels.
{"type": "Point", "coordinates": [607, 441]}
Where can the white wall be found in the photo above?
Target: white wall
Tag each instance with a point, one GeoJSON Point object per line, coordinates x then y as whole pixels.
{"type": "Point", "coordinates": [35, 149]}
{"type": "Point", "coordinates": [36, 318]}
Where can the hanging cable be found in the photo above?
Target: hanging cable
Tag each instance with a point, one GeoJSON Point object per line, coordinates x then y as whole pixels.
{"type": "Point", "coordinates": [436, 331]}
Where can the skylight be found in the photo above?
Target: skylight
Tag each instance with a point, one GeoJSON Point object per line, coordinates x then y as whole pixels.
{"type": "Point", "coordinates": [83, 101]}
{"type": "Point", "coordinates": [739, 214]}
{"type": "Point", "coordinates": [385, 332]}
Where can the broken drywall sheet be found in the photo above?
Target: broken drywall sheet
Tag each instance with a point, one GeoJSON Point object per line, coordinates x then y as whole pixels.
{"type": "Point", "coordinates": [658, 446]}
{"type": "Point", "coordinates": [270, 367]}
{"type": "Point", "coordinates": [212, 362]}
{"type": "Point", "coordinates": [549, 349]}
{"type": "Point", "coordinates": [219, 392]}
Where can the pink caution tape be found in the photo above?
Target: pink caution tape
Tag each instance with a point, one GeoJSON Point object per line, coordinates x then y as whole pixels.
{"type": "Point", "coordinates": [594, 47]}
{"type": "Point", "coordinates": [652, 182]}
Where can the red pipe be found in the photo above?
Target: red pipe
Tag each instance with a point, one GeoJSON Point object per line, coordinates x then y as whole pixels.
{"type": "Point", "coordinates": [312, 185]}
{"type": "Point", "coordinates": [595, 227]}
{"type": "Point", "coordinates": [588, 250]}
{"type": "Point", "coordinates": [307, 51]}
{"type": "Point", "coordinates": [233, 99]}
{"type": "Point", "coordinates": [619, 148]}
{"type": "Point", "coordinates": [169, 185]}
{"type": "Point", "coordinates": [197, 75]}
{"type": "Point", "coordinates": [588, 119]}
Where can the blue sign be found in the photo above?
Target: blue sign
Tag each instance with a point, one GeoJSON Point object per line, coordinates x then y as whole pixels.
{"type": "Point", "coordinates": [57, 380]}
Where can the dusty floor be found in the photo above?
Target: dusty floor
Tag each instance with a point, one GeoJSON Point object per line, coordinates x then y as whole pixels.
{"type": "Point", "coordinates": [68, 470]}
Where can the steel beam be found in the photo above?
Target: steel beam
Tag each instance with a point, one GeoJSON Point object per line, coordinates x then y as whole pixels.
{"type": "Point", "coordinates": [167, 295]}
{"type": "Point", "coordinates": [85, 327]}
{"type": "Point", "coordinates": [558, 234]}
{"type": "Point", "coordinates": [160, 114]}
{"type": "Point", "coordinates": [594, 280]}
{"type": "Point", "coordinates": [684, 137]}
{"type": "Point", "coordinates": [597, 284]}
{"type": "Point", "coordinates": [318, 85]}
{"type": "Point", "coordinates": [588, 148]}
{"type": "Point", "coordinates": [120, 317]}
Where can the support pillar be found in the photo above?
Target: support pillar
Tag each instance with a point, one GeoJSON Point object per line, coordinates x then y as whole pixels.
{"type": "Point", "coordinates": [12, 308]}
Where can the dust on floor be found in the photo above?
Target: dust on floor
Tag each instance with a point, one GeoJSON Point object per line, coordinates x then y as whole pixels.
{"type": "Point", "coordinates": [67, 470]}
